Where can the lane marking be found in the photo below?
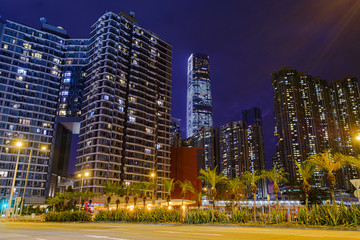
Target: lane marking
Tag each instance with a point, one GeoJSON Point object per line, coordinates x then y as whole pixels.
{"type": "Point", "coordinates": [204, 234]}
{"type": "Point", "coordinates": [104, 237]}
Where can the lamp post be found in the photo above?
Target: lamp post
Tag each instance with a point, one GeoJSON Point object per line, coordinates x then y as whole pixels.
{"type": "Point", "coordinates": [82, 183]}
{"type": "Point", "coordinates": [153, 176]}
{"type": "Point", "coordinates": [43, 148]}
{"type": "Point", "coordinates": [18, 144]}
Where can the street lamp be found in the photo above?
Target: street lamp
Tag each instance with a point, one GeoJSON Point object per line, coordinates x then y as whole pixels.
{"type": "Point", "coordinates": [18, 144]}
{"type": "Point", "coordinates": [42, 148]}
{"type": "Point", "coordinates": [153, 176]}
{"type": "Point", "coordinates": [82, 183]}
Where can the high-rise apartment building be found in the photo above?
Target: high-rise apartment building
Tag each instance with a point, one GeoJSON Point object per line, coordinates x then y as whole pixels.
{"type": "Point", "coordinates": [242, 147]}
{"type": "Point", "coordinates": [307, 115]}
{"type": "Point", "coordinates": [208, 139]}
{"type": "Point", "coordinates": [117, 84]}
{"type": "Point", "coordinates": [199, 97]}
{"type": "Point", "coordinates": [32, 64]}
{"type": "Point", "coordinates": [175, 132]}
{"type": "Point", "coordinates": [125, 128]}
{"type": "Point", "coordinates": [345, 99]}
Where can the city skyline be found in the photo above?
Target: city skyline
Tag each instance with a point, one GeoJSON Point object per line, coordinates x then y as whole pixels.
{"type": "Point", "coordinates": [266, 44]}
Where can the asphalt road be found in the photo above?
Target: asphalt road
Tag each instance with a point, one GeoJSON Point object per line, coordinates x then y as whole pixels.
{"type": "Point", "coordinates": [119, 231]}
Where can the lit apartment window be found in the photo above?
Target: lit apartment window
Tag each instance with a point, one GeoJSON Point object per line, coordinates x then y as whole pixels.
{"type": "Point", "coordinates": [67, 74]}
{"type": "Point", "coordinates": [132, 119]}
{"type": "Point", "coordinates": [57, 61]}
{"type": "Point", "coordinates": [69, 62]}
{"type": "Point", "coordinates": [64, 93]}
{"type": "Point", "coordinates": [37, 55]}
{"type": "Point", "coordinates": [62, 112]}
{"type": "Point", "coordinates": [66, 80]}
{"type": "Point", "coordinates": [21, 71]}
{"type": "Point", "coordinates": [106, 97]}
{"type": "Point", "coordinates": [26, 45]}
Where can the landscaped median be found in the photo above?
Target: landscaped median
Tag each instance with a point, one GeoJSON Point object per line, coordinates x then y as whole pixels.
{"type": "Point", "coordinates": [324, 215]}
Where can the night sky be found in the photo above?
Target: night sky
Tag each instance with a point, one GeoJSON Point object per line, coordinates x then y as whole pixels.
{"type": "Point", "coordinates": [246, 41]}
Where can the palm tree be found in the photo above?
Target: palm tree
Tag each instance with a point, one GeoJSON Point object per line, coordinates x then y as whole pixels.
{"type": "Point", "coordinates": [330, 163]}
{"type": "Point", "coordinates": [354, 161]}
{"type": "Point", "coordinates": [186, 186]}
{"type": "Point", "coordinates": [127, 193]}
{"type": "Point", "coordinates": [53, 201]}
{"type": "Point", "coordinates": [169, 187]}
{"type": "Point", "coordinates": [235, 186]}
{"type": "Point", "coordinates": [275, 175]}
{"type": "Point", "coordinates": [119, 192]}
{"type": "Point", "coordinates": [199, 196]}
{"type": "Point", "coordinates": [109, 189]}
{"type": "Point", "coordinates": [136, 189]}
{"type": "Point", "coordinates": [306, 171]}
{"type": "Point", "coordinates": [250, 180]}
{"type": "Point", "coordinates": [212, 178]}
{"type": "Point", "coordinates": [145, 188]}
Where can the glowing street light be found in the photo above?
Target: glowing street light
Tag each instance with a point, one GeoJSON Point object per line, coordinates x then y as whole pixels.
{"type": "Point", "coordinates": [86, 174]}
{"type": "Point", "coordinates": [18, 144]}
{"type": "Point", "coordinates": [358, 137]}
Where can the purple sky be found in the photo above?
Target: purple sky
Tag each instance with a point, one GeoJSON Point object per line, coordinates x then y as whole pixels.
{"type": "Point", "coordinates": [246, 41]}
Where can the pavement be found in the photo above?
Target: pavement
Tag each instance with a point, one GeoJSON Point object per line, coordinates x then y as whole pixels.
{"type": "Point", "coordinates": [123, 231]}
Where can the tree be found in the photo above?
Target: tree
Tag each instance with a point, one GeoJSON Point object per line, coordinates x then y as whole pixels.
{"type": "Point", "coordinates": [186, 186]}
{"type": "Point", "coordinates": [169, 187]}
{"type": "Point", "coordinates": [145, 188]}
{"type": "Point", "coordinates": [199, 196]}
{"type": "Point", "coordinates": [306, 171]}
{"type": "Point", "coordinates": [250, 180]}
{"type": "Point", "coordinates": [136, 189]}
{"type": "Point", "coordinates": [119, 192]}
{"type": "Point", "coordinates": [53, 201]}
{"type": "Point", "coordinates": [326, 161]}
{"type": "Point", "coordinates": [275, 175]}
{"type": "Point", "coordinates": [127, 193]}
{"type": "Point", "coordinates": [236, 187]}
{"type": "Point", "coordinates": [354, 161]}
{"type": "Point", "coordinates": [212, 178]}
{"type": "Point", "coordinates": [109, 189]}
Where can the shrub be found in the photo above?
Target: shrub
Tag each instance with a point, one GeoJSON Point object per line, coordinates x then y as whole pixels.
{"type": "Point", "coordinates": [139, 215]}
{"type": "Point", "coordinates": [330, 215]}
{"type": "Point", "coordinates": [68, 216]}
{"type": "Point", "coordinates": [206, 216]}
{"type": "Point", "coordinates": [240, 215]}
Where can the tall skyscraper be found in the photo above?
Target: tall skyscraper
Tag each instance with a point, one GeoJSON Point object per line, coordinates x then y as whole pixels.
{"type": "Point", "coordinates": [175, 132]}
{"type": "Point", "coordinates": [208, 139]}
{"type": "Point", "coordinates": [32, 64]}
{"type": "Point", "coordinates": [242, 147]}
{"type": "Point", "coordinates": [346, 104]}
{"type": "Point", "coordinates": [199, 97]}
{"type": "Point", "coordinates": [125, 131]}
{"type": "Point", "coordinates": [307, 115]}
{"type": "Point", "coordinates": [117, 83]}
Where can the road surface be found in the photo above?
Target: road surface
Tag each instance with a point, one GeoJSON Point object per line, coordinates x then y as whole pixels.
{"type": "Point", "coordinates": [122, 231]}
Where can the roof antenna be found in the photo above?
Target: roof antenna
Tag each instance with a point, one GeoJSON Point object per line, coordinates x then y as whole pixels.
{"type": "Point", "coordinates": [132, 14]}
{"type": "Point", "coordinates": [43, 20]}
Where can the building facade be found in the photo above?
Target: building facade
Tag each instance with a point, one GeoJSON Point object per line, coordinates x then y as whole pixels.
{"type": "Point", "coordinates": [242, 147]}
{"type": "Point", "coordinates": [175, 132]}
{"type": "Point", "coordinates": [31, 63]}
{"type": "Point", "coordinates": [307, 116]}
{"type": "Point", "coordinates": [199, 97]}
{"type": "Point", "coordinates": [125, 128]}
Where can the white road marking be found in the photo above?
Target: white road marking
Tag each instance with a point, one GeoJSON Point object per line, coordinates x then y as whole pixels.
{"type": "Point", "coordinates": [40, 239]}
{"type": "Point", "coordinates": [207, 234]}
{"type": "Point", "coordinates": [104, 237]}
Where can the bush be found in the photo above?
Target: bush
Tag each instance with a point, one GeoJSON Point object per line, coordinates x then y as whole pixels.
{"type": "Point", "coordinates": [330, 215]}
{"type": "Point", "coordinates": [206, 216]}
{"type": "Point", "coordinates": [68, 216]}
{"type": "Point", "coordinates": [240, 215]}
{"type": "Point", "coordinates": [159, 215]}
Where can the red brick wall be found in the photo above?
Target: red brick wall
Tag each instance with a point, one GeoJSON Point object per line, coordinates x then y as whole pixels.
{"type": "Point", "coordinates": [185, 165]}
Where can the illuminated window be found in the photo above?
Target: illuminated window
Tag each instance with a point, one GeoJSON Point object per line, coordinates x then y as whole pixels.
{"type": "Point", "coordinates": [106, 97]}
{"type": "Point", "coordinates": [68, 74]}
{"type": "Point", "coordinates": [5, 46]}
{"type": "Point", "coordinates": [21, 71]}
{"type": "Point", "coordinates": [26, 45]}
{"type": "Point", "coordinates": [37, 55]}
{"type": "Point", "coordinates": [24, 59]}
{"type": "Point", "coordinates": [132, 119]}
{"type": "Point", "coordinates": [69, 62]}
{"type": "Point", "coordinates": [62, 112]}
{"type": "Point", "coordinates": [66, 80]}
{"type": "Point", "coordinates": [25, 121]}
{"type": "Point", "coordinates": [64, 93]}
{"type": "Point", "coordinates": [132, 99]}
{"type": "Point", "coordinates": [57, 61]}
